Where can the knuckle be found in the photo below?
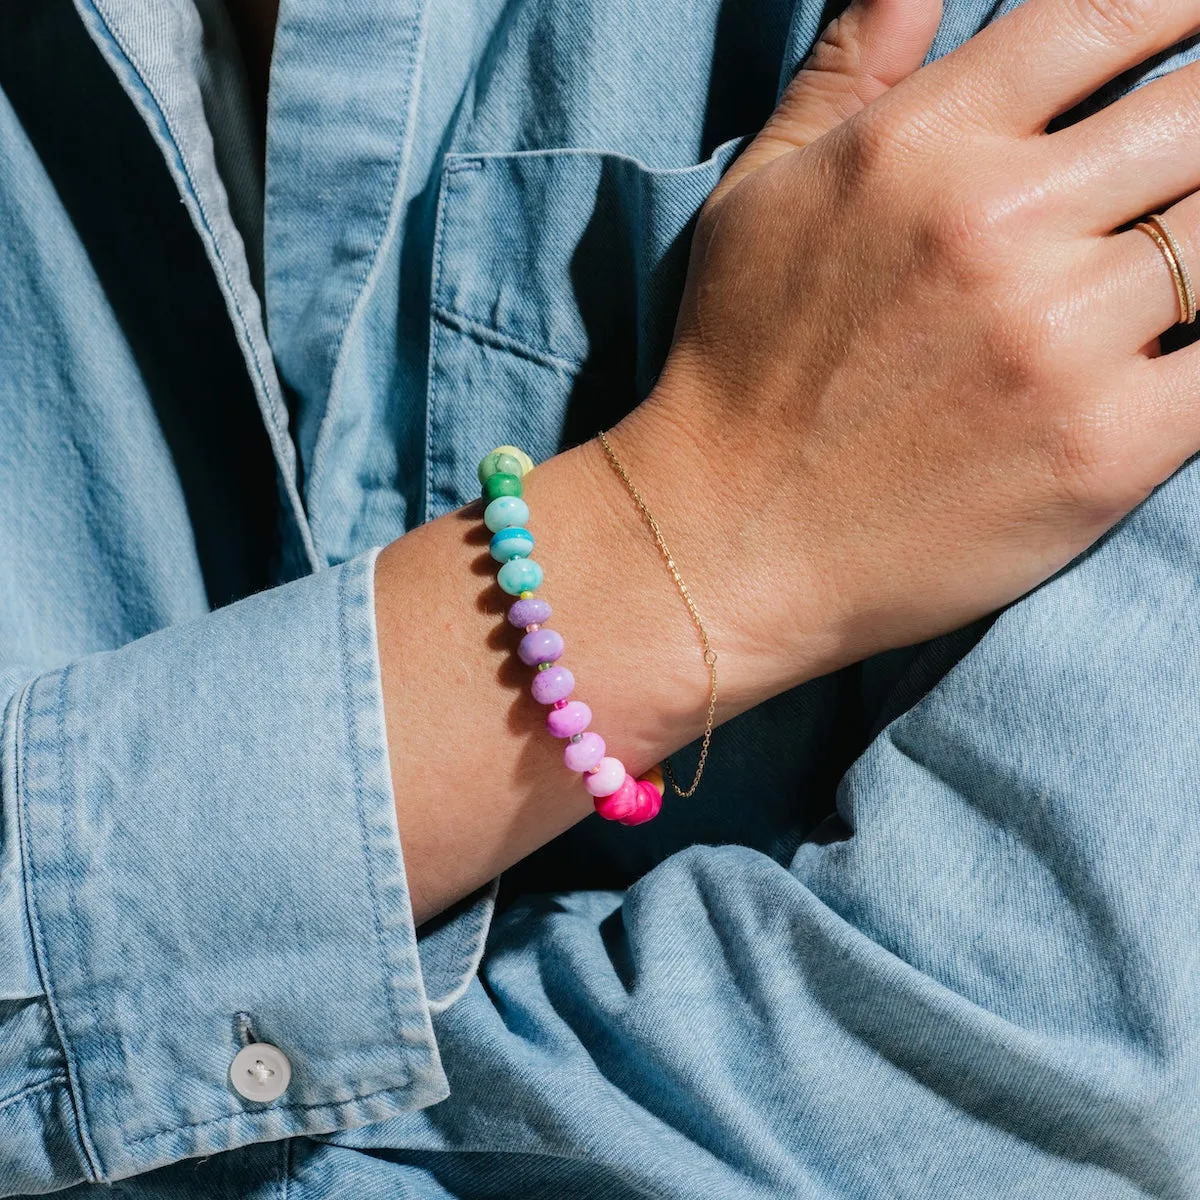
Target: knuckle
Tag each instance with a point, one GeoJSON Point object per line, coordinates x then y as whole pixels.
{"type": "Point", "coordinates": [1091, 467]}
{"type": "Point", "coordinates": [867, 150]}
{"type": "Point", "coordinates": [980, 221]}
{"type": "Point", "coordinates": [1118, 20]}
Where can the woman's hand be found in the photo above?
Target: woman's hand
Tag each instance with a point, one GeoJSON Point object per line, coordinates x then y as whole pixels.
{"type": "Point", "coordinates": [915, 372]}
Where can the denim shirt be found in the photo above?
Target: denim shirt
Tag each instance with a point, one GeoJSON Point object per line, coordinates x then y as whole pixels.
{"type": "Point", "coordinates": [928, 928]}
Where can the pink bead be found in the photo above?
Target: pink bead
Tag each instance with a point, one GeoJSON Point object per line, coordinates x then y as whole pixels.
{"type": "Point", "coordinates": [621, 803]}
{"type": "Point", "coordinates": [573, 717]}
{"type": "Point", "coordinates": [584, 754]}
{"type": "Point", "coordinates": [649, 801]}
{"type": "Point", "coordinates": [606, 778]}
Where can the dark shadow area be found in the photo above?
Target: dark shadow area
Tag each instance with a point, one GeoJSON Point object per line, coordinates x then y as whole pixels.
{"type": "Point", "coordinates": [742, 88]}
{"type": "Point", "coordinates": [119, 195]}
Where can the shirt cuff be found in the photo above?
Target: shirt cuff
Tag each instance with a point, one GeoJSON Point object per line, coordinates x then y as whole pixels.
{"type": "Point", "coordinates": [211, 855]}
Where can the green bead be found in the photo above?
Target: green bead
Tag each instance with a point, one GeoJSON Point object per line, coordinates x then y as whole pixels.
{"type": "Point", "coordinates": [501, 483]}
{"type": "Point", "coordinates": [498, 462]}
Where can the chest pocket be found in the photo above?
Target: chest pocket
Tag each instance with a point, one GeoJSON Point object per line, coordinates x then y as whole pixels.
{"type": "Point", "coordinates": [556, 278]}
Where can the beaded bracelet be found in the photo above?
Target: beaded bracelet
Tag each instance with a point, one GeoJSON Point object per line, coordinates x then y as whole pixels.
{"type": "Point", "coordinates": [618, 796]}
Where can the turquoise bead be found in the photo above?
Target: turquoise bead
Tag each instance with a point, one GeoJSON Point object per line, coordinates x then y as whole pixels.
{"type": "Point", "coordinates": [505, 512]}
{"type": "Point", "coordinates": [519, 575]}
{"type": "Point", "coordinates": [501, 484]}
{"type": "Point", "coordinates": [499, 461]}
{"type": "Point", "coordinates": [511, 543]}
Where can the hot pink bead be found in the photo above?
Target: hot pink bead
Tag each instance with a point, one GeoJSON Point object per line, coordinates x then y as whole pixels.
{"type": "Point", "coordinates": [621, 803]}
{"type": "Point", "coordinates": [584, 754]}
{"type": "Point", "coordinates": [543, 645]}
{"type": "Point", "coordinates": [555, 684]}
{"type": "Point", "coordinates": [606, 778]}
{"type": "Point", "coordinates": [574, 717]}
{"type": "Point", "coordinates": [649, 801]}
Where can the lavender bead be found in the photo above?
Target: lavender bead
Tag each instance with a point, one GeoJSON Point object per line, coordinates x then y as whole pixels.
{"type": "Point", "coordinates": [557, 683]}
{"type": "Point", "coordinates": [529, 612]}
{"type": "Point", "coordinates": [584, 754]}
{"type": "Point", "coordinates": [568, 721]}
{"type": "Point", "coordinates": [543, 645]}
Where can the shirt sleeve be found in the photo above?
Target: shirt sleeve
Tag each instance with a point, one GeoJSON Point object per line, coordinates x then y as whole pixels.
{"type": "Point", "coordinates": [979, 980]}
{"type": "Point", "coordinates": [199, 850]}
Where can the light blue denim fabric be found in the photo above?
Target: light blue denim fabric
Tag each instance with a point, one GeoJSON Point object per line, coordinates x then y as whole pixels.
{"type": "Point", "coordinates": [977, 977]}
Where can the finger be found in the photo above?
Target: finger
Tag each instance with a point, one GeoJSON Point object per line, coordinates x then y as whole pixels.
{"type": "Point", "coordinates": [1041, 59]}
{"type": "Point", "coordinates": [1139, 286]}
{"type": "Point", "coordinates": [861, 54]}
{"type": "Point", "coordinates": [1139, 154]}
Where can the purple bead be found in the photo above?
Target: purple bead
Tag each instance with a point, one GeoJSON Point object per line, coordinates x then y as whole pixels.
{"type": "Point", "coordinates": [569, 720]}
{"type": "Point", "coordinates": [555, 684]}
{"type": "Point", "coordinates": [543, 645]}
{"type": "Point", "coordinates": [529, 612]}
{"type": "Point", "coordinates": [584, 754]}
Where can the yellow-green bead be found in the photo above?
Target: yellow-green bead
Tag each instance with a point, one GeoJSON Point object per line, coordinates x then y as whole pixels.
{"type": "Point", "coordinates": [501, 483]}
{"type": "Point", "coordinates": [519, 454]}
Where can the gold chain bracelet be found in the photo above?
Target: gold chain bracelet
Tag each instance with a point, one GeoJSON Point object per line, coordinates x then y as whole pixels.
{"type": "Point", "coordinates": [710, 655]}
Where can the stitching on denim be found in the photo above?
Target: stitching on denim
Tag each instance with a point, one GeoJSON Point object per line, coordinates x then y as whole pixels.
{"type": "Point", "coordinates": [80, 940]}
{"type": "Point", "coordinates": [496, 340]}
{"type": "Point", "coordinates": [365, 282]}
{"type": "Point", "coordinates": [32, 1089]}
{"type": "Point", "coordinates": [281, 439]}
{"type": "Point", "coordinates": [348, 700]}
{"type": "Point", "coordinates": [91, 1155]}
{"type": "Point", "coordinates": [435, 278]}
{"type": "Point", "coordinates": [401, 1091]}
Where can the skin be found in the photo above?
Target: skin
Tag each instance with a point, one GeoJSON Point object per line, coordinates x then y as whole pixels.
{"type": "Point", "coordinates": [915, 372]}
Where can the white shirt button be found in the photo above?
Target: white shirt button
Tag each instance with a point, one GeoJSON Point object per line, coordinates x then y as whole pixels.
{"type": "Point", "coordinates": [260, 1072]}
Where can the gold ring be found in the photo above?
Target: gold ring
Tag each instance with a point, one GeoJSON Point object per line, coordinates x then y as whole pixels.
{"type": "Point", "coordinates": [1157, 229]}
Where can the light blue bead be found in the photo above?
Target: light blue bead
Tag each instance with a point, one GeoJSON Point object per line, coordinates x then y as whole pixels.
{"type": "Point", "coordinates": [519, 575]}
{"type": "Point", "coordinates": [504, 512]}
{"type": "Point", "coordinates": [511, 543]}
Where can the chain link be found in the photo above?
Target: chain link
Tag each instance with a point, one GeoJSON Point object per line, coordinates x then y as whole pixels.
{"type": "Point", "coordinates": [710, 655]}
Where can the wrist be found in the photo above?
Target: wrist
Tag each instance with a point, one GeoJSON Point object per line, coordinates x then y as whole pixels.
{"type": "Point", "coordinates": [765, 604]}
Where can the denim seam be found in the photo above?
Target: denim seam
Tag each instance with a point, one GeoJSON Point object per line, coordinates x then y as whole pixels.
{"type": "Point", "coordinates": [55, 1080]}
{"type": "Point", "coordinates": [364, 285]}
{"type": "Point", "coordinates": [92, 1160]}
{"type": "Point", "coordinates": [462, 161]}
{"type": "Point", "coordinates": [472, 327]}
{"type": "Point", "coordinates": [435, 278]}
{"type": "Point", "coordinates": [401, 1091]}
{"type": "Point", "coordinates": [281, 438]}
{"type": "Point", "coordinates": [359, 786]}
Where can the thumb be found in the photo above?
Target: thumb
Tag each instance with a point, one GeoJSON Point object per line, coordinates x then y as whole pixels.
{"type": "Point", "coordinates": [869, 48]}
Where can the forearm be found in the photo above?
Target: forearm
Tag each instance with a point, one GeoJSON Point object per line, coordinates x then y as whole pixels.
{"type": "Point", "coordinates": [479, 782]}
